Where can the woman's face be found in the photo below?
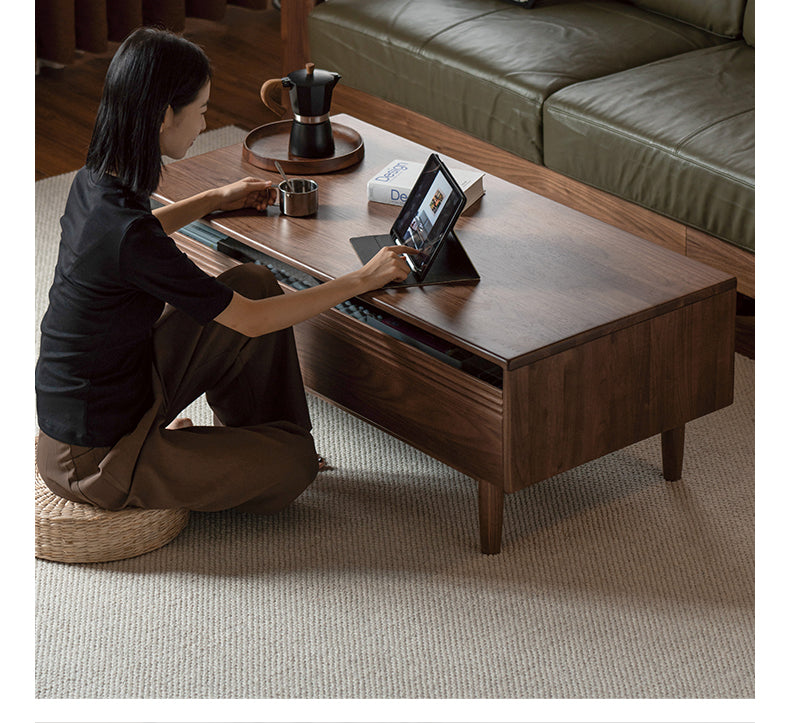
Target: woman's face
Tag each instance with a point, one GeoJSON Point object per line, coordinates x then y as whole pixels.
{"type": "Point", "coordinates": [179, 129]}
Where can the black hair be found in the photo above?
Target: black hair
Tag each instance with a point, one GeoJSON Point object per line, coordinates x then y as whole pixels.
{"type": "Point", "coordinates": [152, 70]}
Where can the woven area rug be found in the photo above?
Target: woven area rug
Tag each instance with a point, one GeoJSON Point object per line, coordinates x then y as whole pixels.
{"type": "Point", "coordinates": [612, 583]}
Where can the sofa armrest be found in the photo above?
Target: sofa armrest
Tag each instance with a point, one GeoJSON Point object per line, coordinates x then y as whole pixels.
{"type": "Point", "coordinates": [293, 31]}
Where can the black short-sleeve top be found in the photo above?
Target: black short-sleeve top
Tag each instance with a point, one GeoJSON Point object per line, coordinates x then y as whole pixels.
{"type": "Point", "coordinates": [116, 269]}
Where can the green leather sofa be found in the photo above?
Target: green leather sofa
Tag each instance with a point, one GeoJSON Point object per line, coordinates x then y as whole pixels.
{"type": "Point", "coordinates": [651, 101]}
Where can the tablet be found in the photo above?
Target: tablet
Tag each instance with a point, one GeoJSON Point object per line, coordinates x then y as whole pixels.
{"type": "Point", "coordinates": [429, 214]}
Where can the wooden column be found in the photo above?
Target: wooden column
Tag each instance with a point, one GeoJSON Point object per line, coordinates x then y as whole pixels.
{"type": "Point", "coordinates": [123, 16]}
{"type": "Point", "coordinates": [207, 9]}
{"type": "Point", "coordinates": [170, 14]}
{"type": "Point", "coordinates": [672, 444]}
{"type": "Point", "coordinates": [55, 31]}
{"type": "Point", "coordinates": [90, 24]}
{"type": "Point", "coordinates": [293, 31]}
{"type": "Point", "coordinates": [491, 504]}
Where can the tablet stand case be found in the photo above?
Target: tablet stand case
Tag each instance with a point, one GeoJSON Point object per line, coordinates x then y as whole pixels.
{"type": "Point", "coordinates": [451, 265]}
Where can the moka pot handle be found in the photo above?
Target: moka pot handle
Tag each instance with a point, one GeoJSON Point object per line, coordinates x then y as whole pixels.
{"type": "Point", "coordinates": [270, 95]}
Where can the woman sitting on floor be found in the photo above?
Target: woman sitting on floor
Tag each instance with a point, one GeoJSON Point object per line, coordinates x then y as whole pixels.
{"type": "Point", "coordinates": [114, 371]}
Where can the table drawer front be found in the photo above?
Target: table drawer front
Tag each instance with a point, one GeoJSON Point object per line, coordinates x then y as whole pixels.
{"type": "Point", "coordinates": [433, 406]}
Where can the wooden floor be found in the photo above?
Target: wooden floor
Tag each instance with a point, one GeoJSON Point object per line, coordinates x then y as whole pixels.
{"type": "Point", "coordinates": [245, 50]}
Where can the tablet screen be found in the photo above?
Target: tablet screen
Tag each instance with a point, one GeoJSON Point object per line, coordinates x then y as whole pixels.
{"type": "Point", "coordinates": [429, 214]}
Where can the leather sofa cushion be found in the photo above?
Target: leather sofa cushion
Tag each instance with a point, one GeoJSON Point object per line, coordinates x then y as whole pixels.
{"type": "Point", "coordinates": [486, 66]}
{"type": "Point", "coordinates": [722, 17]}
{"type": "Point", "coordinates": [675, 136]}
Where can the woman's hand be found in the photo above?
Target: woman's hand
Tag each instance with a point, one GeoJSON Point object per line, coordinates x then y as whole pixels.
{"type": "Point", "coordinates": [389, 264]}
{"type": "Point", "coordinates": [247, 193]}
{"type": "Point", "coordinates": [254, 317]}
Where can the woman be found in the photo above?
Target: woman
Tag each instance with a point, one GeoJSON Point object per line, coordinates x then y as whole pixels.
{"type": "Point", "coordinates": [114, 371]}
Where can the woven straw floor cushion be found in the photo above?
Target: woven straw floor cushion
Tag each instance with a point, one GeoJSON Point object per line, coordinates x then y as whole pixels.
{"type": "Point", "coordinates": [74, 532]}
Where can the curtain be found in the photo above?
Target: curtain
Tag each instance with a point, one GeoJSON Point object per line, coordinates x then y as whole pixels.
{"type": "Point", "coordinates": [65, 26]}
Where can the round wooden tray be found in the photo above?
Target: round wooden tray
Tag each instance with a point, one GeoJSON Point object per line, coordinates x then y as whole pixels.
{"type": "Point", "coordinates": [269, 143]}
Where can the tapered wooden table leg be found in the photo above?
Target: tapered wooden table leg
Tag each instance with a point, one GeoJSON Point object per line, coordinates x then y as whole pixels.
{"type": "Point", "coordinates": [491, 502]}
{"type": "Point", "coordinates": [672, 442]}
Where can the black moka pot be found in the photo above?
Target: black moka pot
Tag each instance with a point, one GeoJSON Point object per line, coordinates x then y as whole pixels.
{"type": "Point", "coordinates": [310, 91]}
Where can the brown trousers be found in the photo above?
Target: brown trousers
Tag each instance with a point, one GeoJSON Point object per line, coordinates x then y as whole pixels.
{"type": "Point", "coordinates": [259, 460]}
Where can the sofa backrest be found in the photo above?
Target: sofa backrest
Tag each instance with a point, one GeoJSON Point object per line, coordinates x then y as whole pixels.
{"type": "Point", "coordinates": [722, 17]}
{"type": "Point", "coordinates": [748, 23]}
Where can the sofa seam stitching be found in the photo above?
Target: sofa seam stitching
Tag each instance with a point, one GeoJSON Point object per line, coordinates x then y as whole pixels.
{"type": "Point", "coordinates": [697, 132]}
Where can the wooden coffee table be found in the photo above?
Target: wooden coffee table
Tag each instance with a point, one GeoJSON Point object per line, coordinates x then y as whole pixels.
{"type": "Point", "coordinates": [597, 338]}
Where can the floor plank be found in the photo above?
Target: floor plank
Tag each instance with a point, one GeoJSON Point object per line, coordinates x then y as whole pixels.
{"type": "Point", "coordinates": [244, 49]}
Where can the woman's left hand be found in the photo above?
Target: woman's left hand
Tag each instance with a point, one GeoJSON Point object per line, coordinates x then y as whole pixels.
{"type": "Point", "coordinates": [247, 193]}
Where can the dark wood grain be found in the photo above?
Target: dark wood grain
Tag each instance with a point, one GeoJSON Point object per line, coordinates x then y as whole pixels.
{"type": "Point", "coordinates": [551, 277]}
{"type": "Point", "coordinates": [711, 251]}
{"type": "Point", "coordinates": [245, 49]}
{"type": "Point", "coordinates": [611, 392]}
{"type": "Point", "coordinates": [672, 443]}
{"type": "Point", "coordinates": [294, 34]}
{"type": "Point", "coordinates": [490, 505]}
{"type": "Point", "coordinates": [436, 408]}
{"type": "Point", "coordinates": [269, 143]}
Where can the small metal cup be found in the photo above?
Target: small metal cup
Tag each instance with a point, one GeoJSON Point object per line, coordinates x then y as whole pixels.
{"type": "Point", "coordinates": [298, 197]}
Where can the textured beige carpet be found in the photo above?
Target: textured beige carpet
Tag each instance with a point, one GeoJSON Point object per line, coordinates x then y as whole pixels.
{"type": "Point", "coordinates": [611, 584]}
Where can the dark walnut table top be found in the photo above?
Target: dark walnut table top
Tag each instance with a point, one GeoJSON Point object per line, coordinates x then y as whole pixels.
{"type": "Point", "coordinates": [551, 277]}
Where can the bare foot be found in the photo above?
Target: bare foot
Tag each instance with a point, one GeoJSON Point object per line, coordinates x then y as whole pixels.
{"type": "Point", "coordinates": [180, 423]}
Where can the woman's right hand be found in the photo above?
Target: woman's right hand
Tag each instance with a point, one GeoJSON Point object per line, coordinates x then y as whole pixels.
{"type": "Point", "coordinates": [389, 264]}
{"type": "Point", "coordinates": [255, 317]}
